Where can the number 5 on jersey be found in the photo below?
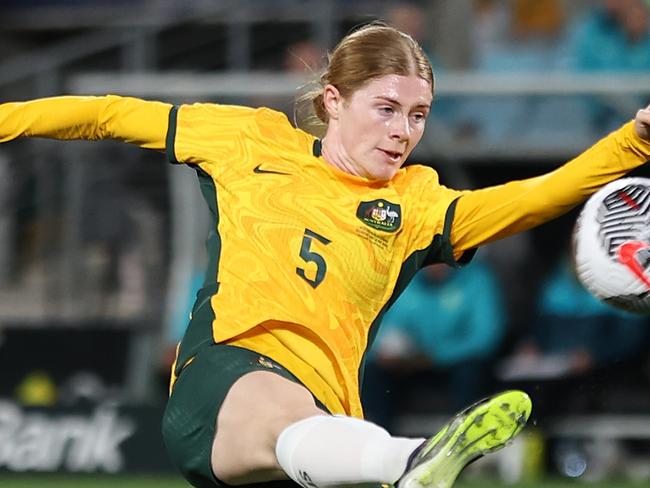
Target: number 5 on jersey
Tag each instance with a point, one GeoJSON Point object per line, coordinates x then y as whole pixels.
{"type": "Point", "coordinates": [310, 256]}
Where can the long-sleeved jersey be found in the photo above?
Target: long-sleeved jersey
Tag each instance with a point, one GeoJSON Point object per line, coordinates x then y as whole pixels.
{"type": "Point", "coordinates": [304, 258]}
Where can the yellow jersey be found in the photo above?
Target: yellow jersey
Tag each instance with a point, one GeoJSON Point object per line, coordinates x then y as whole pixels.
{"type": "Point", "coordinates": [304, 258]}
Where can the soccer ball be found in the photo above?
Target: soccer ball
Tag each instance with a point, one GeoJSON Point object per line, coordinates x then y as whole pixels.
{"type": "Point", "coordinates": [611, 244]}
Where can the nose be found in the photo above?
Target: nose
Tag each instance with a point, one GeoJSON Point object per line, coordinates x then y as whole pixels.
{"type": "Point", "coordinates": [400, 129]}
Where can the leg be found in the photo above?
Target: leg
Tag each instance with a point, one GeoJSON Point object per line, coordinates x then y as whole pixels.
{"type": "Point", "coordinates": [318, 450]}
{"type": "Point", "coordinates": [193, 412]}
{"type": "Point", "coordinates": [230, 420]}
{"type": "Point", "coordinates": [233, 415]}
{"type": "Point", "coordinates": [258, 407]}
{"type": "Point", "coordinates": [270, 428]}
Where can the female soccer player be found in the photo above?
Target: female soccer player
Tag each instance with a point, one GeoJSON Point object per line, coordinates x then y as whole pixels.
{"type": "Point", "coordinates": [312, 241]}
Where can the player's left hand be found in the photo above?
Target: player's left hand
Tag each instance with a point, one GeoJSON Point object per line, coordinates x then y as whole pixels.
{"type": "Point", "coordinates": [642, 123]}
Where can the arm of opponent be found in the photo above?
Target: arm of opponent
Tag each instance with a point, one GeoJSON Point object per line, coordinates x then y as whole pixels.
{"type": "Point", "coordinates": [109, 117]}
{"type": "Point", "coordinates": [493, 213]}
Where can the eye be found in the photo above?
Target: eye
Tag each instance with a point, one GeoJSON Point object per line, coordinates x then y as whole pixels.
{"type": "Point", "coordinates": [386, 109]}
{"type": "Point", "coordinates": [418, 117]}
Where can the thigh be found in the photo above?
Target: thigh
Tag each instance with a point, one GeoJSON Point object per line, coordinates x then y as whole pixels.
{"type": "Point", "coordinates": [258, 407]}
{"type": "Point", "coordinates": [190, 419]}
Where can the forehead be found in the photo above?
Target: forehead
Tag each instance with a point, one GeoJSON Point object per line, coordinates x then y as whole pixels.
{"type": "Point", "coordinates": [406, 89]}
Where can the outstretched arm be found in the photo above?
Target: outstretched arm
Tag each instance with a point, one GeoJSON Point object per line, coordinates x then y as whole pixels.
{"type": "Point", "coordinates": [110, 117]}
{"type": "Point", "coordinates": [492, 213]}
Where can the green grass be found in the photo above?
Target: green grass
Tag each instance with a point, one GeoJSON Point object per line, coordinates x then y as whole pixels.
{"type": "Point", "coordinates": [554, 484]}
{"type": "Point", "coordinates": [83, 481]}
{"type": "Point", "coordinates": [55, 481]}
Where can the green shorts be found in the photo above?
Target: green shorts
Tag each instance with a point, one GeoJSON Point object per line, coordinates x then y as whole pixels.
{"type": "Point", "coordinates": [189, 422]}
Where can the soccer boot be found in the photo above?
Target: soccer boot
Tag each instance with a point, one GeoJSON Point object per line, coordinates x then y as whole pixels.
{"type": "Point", "coordinates": [485, 427]}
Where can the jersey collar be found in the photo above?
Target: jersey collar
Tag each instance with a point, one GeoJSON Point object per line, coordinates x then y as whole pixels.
{"type": "Point", "coordinates": [317, 148]}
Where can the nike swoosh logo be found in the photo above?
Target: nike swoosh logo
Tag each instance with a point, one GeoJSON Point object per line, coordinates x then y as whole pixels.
{"type": "Point", "coordinates": [258, 169]}
{"type": "Point", "coordinates": [627, 256]}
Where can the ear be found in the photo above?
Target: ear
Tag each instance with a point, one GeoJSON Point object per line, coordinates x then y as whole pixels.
{"type": "Point", "coordinates": [331, 100]}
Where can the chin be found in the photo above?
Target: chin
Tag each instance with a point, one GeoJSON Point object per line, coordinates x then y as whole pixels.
{"type": "Point", "coordinates": [382, 176]}
{"type": "Point", "coordinates": [386, 173]}
{"type": "Point", "coordinates": [381, 171]}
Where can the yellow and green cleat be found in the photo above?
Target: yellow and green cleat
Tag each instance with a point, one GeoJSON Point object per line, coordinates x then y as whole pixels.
{"type": "Point", "coordinates": [485, 427]}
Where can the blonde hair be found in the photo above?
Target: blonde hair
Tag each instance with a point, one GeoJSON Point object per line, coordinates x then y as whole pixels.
{"type": "Point", "coordinates": [370, 52]}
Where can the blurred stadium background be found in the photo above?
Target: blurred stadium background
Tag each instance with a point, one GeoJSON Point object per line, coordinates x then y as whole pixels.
{"type": "Point", "coordinates": [101, 245]}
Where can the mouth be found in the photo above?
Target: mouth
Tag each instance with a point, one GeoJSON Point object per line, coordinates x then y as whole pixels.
{"type": "Point", "coordinates": [393, 156]}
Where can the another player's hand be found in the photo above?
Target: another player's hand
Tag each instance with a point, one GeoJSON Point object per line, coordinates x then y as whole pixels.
{"type": "Point", "coordinates": [642, 123]}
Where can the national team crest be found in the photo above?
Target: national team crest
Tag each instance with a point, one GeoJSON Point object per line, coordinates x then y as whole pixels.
{"type": "Point", "coordinates": [380, 214]}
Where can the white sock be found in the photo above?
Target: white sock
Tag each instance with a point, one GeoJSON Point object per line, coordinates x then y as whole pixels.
{"type": "Point", "coordinates": [325, 451]}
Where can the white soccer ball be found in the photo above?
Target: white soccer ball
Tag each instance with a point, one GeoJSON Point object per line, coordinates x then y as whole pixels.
{"type": "Point", "coordinates": [612, 244]}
